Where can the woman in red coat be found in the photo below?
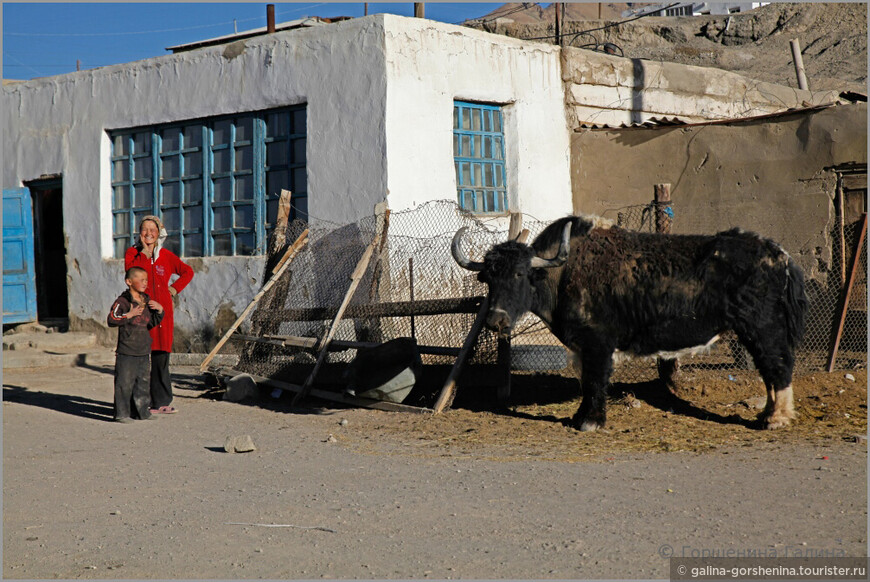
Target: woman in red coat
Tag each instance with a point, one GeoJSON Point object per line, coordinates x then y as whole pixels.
{"type": "Point", "coordinates": [160, 264]}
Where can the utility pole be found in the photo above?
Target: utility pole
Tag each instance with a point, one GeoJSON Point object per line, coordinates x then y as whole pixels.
{"type": "Point", "coordinates": [419, 10]}
{"type": "Point", "coordinates": [270, 18]}
{"type": "Point", "coordinates": [365, 8]}
{"type": "Point", "coordinates": [556, 10]}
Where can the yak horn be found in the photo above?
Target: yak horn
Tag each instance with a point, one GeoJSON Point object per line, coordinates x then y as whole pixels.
{"type": "Point", "coordinates": [561, 256]}
{"type": "Point", "coordinates": [459, 256]}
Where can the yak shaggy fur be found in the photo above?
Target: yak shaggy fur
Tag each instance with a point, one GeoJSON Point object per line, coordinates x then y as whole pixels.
{"type": "Point", "coordinates": [649, 293]}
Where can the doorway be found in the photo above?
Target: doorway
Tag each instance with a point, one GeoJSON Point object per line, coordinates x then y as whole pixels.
{"type": "Point", "coordinates": [52, 301]}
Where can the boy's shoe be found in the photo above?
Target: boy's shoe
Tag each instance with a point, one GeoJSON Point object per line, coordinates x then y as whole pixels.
{"type": "Point", "coordinates": [164, 410]}
{"type": "Point", "coordinates": [125, 420]}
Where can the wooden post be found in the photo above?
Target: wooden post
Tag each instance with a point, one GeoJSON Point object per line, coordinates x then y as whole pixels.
{"type": "Point", "coordinates": [663, 208]}
{"type": "Point", "coordinates": [558, 34]}
{"type": "Point", "coordinates": [844, 306]}
{"type": "Point", "coordinates": [419, 10]}
{"type": "Point", "coordinates": [841, 227]}
{"type": "Point", "coordinates": [516, 225]}
{"type": "Point", "coordinates": [448, 392]}
{"type": "Point", "coordinates": [280, 233]}
{"type": "Point", "coordinates": [799, 64]}
{"type": "Point", "coordinates": [355, 279]}
{"type": "Point", "coordinates": [284, 263]}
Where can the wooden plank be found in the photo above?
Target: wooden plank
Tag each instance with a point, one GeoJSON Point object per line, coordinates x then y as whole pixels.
{"type": "Point", "coordinates": [285, 261]}
{"type": "Point", "coordinates": [355, 278]}
{"type": "Point", "coordinates": [844, 307]}
{"type": "Point", "coordinates": [418, 307]}
{"type": "Point", "coordinates": [327, 395]}
{"type": "Point", "coordinates": [311, 343]}
{"type": "Point", "coordinates": [448, 392]}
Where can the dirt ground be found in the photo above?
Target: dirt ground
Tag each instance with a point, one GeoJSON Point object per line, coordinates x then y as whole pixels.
{"type": "Point", "coordinates": [477, 492]}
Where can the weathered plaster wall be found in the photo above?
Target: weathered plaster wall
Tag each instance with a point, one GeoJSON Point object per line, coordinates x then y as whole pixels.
{"type": "Point", "coordinates": [429, 65]}
{"type": "Point", "coordinates": [609, 90]}
{"type": "Point", "coordinates": [58, 125]}
{"type": "Point", "coordinates": [767, 176]}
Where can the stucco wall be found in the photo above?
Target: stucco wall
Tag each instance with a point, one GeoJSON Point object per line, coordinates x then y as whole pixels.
{"type": "Point", "coordinates": [58, 125]}
{"type": "Point", "coordinates": [429, 65]}
{"type": "Point", "coordinates": [767, 176]}
{"type": "Point", "coordinates": [379, 93]}
{"type": "Point", "coordinates": [603, 89]}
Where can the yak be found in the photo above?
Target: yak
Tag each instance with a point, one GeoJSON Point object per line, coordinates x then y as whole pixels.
{"type": "Point", "coordinates": [605, 289]}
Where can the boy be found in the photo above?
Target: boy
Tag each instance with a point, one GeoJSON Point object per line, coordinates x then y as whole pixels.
{"type": "Point", "coordinates": [133, 313]}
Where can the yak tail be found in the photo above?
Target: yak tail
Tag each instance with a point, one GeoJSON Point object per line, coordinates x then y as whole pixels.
{"type": "Point", "coordinates": [795, 303]}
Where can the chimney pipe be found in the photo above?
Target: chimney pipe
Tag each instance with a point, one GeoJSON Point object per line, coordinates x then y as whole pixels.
{"type": "Point", "coordinates": [270, 18]}
{"type": "Point", "coordinates": [419, 10]}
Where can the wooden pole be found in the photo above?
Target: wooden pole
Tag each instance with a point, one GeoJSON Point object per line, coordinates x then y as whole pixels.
{"type": "Point", "coordinates": [663, 203]}
{"type": "Point", "coordinates": [844, 306]}
{"type": "Point", "coordinates": [799, 64]}
{"type": "Point", "coordinates": [841, 227]}
{"type": "Point", "coordinates": [284, 263]}
{"type": "Point", "coordinates": [558, 23]}
{"type": "Point", "coordinates": [448, 392]}
{"type": "Point", "coordinates": [419, 10]}
{"type": "Point", "coordinates": [270, 18]}
{"type": "Point", "coordinates": [355, 279]}
{"type": "Point", "coordinates": [516, 225]}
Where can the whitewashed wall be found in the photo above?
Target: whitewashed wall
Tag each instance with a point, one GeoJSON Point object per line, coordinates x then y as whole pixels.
{"type": "Point", "coordinates": [380, 94]}
{"type": "Point", "coordinates": [429, 65]}
{"type": "Point", "coordinates": [58, 125]}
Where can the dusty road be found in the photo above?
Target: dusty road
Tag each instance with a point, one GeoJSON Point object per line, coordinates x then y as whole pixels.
{"type": "Point", "coordinates": [88, 498]}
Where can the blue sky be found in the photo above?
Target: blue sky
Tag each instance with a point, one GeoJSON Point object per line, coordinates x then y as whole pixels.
{"type": "Point", "coordinates": [42, 39]}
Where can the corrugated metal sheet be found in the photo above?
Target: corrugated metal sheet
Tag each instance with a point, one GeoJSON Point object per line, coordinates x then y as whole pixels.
{"type": "Point", "coordinates": [663, 122]}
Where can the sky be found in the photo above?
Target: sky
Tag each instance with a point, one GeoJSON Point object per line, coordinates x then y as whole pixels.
{"type": "Point", "coordinates": [43, 39]}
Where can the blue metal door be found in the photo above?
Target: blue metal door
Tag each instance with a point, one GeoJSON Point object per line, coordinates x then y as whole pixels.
{"type": "Point", "coordinates": [19, 273]}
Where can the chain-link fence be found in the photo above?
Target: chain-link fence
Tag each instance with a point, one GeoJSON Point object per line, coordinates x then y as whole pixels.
{"type": "Point", "coordinates": [411, 287]}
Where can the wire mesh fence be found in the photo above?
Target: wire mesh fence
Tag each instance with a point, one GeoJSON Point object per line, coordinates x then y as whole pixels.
{"type": "Point", "coordinates": [411, 287]}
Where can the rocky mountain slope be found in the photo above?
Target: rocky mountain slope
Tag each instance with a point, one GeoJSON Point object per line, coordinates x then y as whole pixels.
{"type": "Point", "coordinates": [832, 36]}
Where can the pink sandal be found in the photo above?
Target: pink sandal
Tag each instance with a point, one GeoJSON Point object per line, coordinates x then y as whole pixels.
{"type": "Point", "coordinates": [164, 410]}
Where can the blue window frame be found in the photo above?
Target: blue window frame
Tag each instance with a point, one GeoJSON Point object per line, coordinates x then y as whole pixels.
{"type": "Point", "coordinates": [214, 182]}
{"type": "Point", "coordinates": [478, 157]}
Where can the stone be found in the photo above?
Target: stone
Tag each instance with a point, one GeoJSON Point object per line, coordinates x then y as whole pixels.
{"type": "Point", "coordinates": [240, 387]}
{"type": "Point", "coordinates": [239, 444]}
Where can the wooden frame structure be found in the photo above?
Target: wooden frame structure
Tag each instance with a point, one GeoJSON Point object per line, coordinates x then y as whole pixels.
{"type": "Point", "coordinates": [478, 305]}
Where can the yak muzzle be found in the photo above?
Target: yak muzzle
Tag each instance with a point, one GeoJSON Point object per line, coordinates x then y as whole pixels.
{"type": "Point", "coordinates": [498, 321]}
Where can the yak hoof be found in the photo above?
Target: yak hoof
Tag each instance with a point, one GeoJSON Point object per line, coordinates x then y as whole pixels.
{"type": "Point", "coordinates": [775, 421]}
{"type": "Point", "coordinates": [589, 426]}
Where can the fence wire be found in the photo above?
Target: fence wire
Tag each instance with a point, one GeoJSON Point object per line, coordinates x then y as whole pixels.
{"type": "Point", "coordinates": [411, 270]}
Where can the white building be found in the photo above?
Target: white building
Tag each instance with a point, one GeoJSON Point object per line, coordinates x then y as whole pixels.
{"type": "Point", "coordinates": [346, 115]}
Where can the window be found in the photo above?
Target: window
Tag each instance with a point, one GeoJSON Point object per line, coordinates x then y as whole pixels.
{"type": "Point", "coordinates": [478, 156]}
{"type": "Point", "coordinates": [215, 183]}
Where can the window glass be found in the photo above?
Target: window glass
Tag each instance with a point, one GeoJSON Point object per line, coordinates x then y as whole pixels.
{"type": "Point", "coordinates": [478, 144]}
{"type": "Point", "coordinates": [214, 178]}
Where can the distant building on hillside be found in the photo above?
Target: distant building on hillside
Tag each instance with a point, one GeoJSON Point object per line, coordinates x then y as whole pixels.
{"type": "Point", "coordinates": [692, 8]}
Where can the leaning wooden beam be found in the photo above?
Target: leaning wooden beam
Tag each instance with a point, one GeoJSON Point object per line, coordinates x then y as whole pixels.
{"type": "Point", "coordinates": [313, 343]}
{"type": "Point", "coordinates": [285, 262]}
{"type": "Point", "coordinates": [392, 309]}
{"type": "Point", "coordinates": [327, 395]}
{"type": "Point", "coordinates": [844, 306]}
{"type": "Point", "coordinates": [448, 392]}
{"type": "Point", "coordinates": [355, 279]}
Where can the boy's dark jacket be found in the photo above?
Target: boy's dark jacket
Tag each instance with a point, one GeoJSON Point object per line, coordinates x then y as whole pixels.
{"type": "Point", "coordinates": [133, 336]}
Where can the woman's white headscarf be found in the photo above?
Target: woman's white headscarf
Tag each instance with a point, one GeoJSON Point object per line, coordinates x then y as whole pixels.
{"type": "Point", "coordinates": [161, 235]}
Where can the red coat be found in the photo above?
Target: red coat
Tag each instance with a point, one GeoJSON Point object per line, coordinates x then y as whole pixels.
{"type": "Point", "coordinates": [159, 272]}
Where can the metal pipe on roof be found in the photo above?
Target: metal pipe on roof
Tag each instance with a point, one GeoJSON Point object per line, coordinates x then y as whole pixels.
{"type": "Point", "coordinates": [799, 64]}
{"type": "Point", "coordinates": [270, 18]}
